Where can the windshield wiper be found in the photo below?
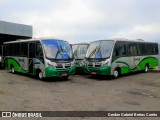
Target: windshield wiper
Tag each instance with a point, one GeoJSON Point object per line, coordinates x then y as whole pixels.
{"type": "Point", "coordinates": [96, 51]}
{"type": "Point", "coordinates": [75, 52]}
{"type": "Point", "coordinates": [92, 52]}
{"type": "Point", "coordinates": [64, 52]}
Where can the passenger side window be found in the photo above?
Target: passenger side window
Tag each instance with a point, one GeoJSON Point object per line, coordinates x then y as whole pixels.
{"type": "Point", "coordinates": [24, 49]}
{"type": "Point", "coordinates": [10, 50]}
{"type": "Point", "coordinates": [6, 50]}
{"type": "Point", "coordinates": [120, 50]}
{"type": "Point", "coordinates": [16, 49]}
{"type": "Point", "coordinates": [132, 49]}
{"type": "Point", "coordinates": [142, 49]}
{"type": "Point", "coordinates": [39, 52]}
{"type": "Point", "coordinates": [0, 49]}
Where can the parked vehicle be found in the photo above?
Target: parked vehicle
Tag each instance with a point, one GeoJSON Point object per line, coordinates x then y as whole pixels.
{"type": "Point", "coordinates": [79, 52]}
{"type": "Point", "coordinates": [120, 56]}
{"type": "Point", "coordinates": [42, 57]}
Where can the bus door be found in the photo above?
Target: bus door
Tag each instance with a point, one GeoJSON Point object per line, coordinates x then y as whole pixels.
{"type": "Point", "coordinates": [120, 57]}
{"type": "Point", "coordinates": [134, 58]}
{"type": "Point", "coordinates": [31, 56]}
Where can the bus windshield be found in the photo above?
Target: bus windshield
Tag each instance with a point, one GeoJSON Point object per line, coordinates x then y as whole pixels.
{"type": "Point", "coordinates": [57, 49]}
{"type": "Point", "coordinates": [79, 51]}
{"type": "Point", "coordinates": [100, 49]}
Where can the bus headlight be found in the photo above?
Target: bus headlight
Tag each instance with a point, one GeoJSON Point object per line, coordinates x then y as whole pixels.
{"type": "Point", "coordinates": [105, 64]}
{"type": "Point", "coordinates": [82, 63]}
{"type": "Point", "coordinates": [50, 64]}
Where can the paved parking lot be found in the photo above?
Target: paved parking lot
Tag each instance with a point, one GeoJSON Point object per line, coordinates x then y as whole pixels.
{"type": "Point", "coordinates": [137, 92]}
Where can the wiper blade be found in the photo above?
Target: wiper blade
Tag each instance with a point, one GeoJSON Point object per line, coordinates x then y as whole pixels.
{"type": "Point", "coordinates": [92, 52]}
{"type": "Point", "coordinates": [64, 52]}
{"type": "Point", "coordinates": [75, 52]}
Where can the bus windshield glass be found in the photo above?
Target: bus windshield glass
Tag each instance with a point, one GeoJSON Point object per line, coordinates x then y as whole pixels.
{"type": "Point", "coordinates": [57, 49]}
{"type": "Point", "coordinates": [79, 51]}
{"type": "Point", "coordinates": [100, 49]}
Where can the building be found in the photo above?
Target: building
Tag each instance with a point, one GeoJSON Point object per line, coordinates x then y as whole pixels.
{"type": "Point", "coordinates": [12, 31]}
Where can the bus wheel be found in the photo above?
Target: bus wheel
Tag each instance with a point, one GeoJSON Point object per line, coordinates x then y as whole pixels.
{"type": "Point", "coordinates": [116, 73]}
{"type": "Point", "coordinates": [65, 78]}
{"type": "Point", "coordinates": [146, 69]}
{"type": "Point", "coordinates": [40, 75]}
{"type": "Point", "coordinates": [12, 70]}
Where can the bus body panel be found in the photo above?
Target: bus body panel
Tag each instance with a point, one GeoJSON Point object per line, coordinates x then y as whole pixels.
{"type": "Point", "coordinates": [127, 56]}
{"type": "Point", "coordinates": [34, 62]}
{"type": "Point", "coordinates": [79, 51]}
{"type": "Point", "coordinates": [133, 64]}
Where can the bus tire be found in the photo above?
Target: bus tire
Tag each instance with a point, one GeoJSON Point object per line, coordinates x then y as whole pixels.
{"type": "Point", "coordinates": [146, 69]}
{"type": "Point", "coordinates": [65, 78]}
{"type": "Point", "coordinates": [40, 74]}
{"type": "Point", "coordinates": [12, 69]}
{"type": "Point", "coordinates": [116, 73]}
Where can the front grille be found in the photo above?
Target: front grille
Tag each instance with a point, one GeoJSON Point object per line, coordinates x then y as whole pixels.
{"type": "Point", "coordinates": [90, 65]}
{"type": "Point", "coordinates": [97, 65]}
{"type": "Point", "coordinates": [59, 66]}
{"type": "Point", "coordinates": [67, 66]}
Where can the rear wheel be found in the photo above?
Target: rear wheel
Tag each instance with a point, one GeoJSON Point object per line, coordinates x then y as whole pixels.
{"type": "Point", "coordinates": [12, 70]}
{"type": "Point", "coordinates": [146, 69]}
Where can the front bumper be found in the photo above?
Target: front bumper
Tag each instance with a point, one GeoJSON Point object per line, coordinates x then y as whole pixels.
{"type": "Point", "coordinates": [52, 72]}
{"type": "Point", "coordinates": [100, 71]}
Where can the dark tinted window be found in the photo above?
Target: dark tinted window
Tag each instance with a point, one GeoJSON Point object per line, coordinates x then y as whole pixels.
{"type": "Point", "coordinates": [120, 50]}
{"type": "Point", "coordinates": [142, 49]}
{"type": "Point", "coordinates": [132, 49]}
{"type": "Point", "coordinates": [16, 49]}
{"type": "Point", "coordinates": [24, 49]}
{"type": "Point", "coordinates": [5, 50]}
{"type": "Point", "coordinates": [32, 50]}
{"type": "Point", "coordinates": [10, 50]}
{"type": "Point", "coordinates": [152, 48]}
{"type": "Point", "coordinates": [39, 51]}
{"type": "Point", "coordinates": [0, 49]}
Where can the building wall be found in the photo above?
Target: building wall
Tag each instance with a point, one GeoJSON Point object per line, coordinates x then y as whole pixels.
{"type": "Point", "coordinates": [15, 29]}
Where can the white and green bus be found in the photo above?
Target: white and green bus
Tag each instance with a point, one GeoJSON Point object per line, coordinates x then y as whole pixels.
{"type": "Point", "coordinates": [42, 57]}
{"type": "Point", "coordinates": [79, 52]}
{"type": "Point", "coordinates": [120, 56]}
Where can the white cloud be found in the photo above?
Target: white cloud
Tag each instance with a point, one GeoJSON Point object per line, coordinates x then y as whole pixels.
{"type": "Point", "coordinates": [83, 20]}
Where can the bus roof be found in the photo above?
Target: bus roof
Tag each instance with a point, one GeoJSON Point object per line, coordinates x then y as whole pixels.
{"type": "Point", "coordinates": [80, 44]}
{"type": "Point", "coordinates": [30, 40]}
{"type": "Point", "coordinates": [127, 40]}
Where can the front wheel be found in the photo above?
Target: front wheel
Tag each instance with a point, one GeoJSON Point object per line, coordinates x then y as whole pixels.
{"type": "Point", "coordinates": [116, 74]}
{"type": "Point", "coordinates": [40, 75]}
{"type": "Point", "coordinates": [65, 78]}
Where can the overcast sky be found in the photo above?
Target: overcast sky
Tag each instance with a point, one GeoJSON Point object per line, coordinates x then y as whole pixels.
{"type": "Point", "coordinates": [86, 20]}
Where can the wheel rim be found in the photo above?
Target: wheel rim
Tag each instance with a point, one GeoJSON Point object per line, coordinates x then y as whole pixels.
{"type": "Point", "coordinates": [12, 69]}
{"type": "Point", "coordinates": [40, 75]}
{"type": "Point", "coordinates": [146, 69]}
{"type": "Point", "coordinates": [116, 73]}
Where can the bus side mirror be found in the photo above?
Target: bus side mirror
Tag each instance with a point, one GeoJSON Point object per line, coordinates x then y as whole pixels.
{"type": "Point", "coordinates": [0, 58]}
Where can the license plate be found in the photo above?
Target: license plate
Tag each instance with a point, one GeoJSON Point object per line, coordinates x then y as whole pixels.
{"type": "Point", "coordinates": [93, 73]}
{"type": "Point", "coordinates": [63, 75]}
